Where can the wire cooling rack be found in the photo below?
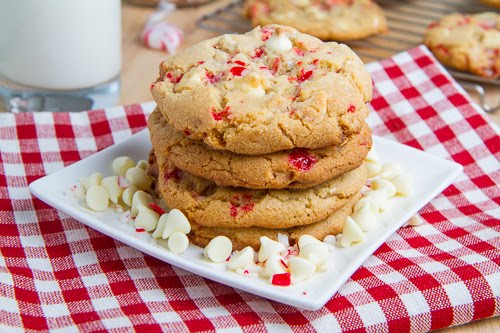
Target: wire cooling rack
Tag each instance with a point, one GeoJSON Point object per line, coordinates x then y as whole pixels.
{"type": "Point", "coordinates": [407, 21]}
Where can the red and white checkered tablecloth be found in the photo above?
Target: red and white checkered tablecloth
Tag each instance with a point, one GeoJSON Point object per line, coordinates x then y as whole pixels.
{"type": "Point", "coordinates": [56, 274]}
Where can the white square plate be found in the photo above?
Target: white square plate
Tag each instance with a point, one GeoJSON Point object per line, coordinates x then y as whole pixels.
{"type": "Point", "coordinates": [431, 176]}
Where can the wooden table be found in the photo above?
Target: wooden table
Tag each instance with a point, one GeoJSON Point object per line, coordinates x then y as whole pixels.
{"type": "Point", "coordinates": [140, 68]}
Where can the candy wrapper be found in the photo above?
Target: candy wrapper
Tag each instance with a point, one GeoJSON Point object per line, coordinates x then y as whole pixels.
{"type": "Point", "coordinates": [157, 34]}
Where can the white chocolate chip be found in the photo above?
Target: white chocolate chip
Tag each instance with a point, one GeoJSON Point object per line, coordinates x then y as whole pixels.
{"type": "Point", "coordinates": [143, 164]}
{"type": "Point", "coordinates": [97, 198]}
{"type": "Point", "coordinates": [242, 259]}
{"type": "Point", "coordinates": [273, 265]}
{"type": "Point", "coordinates": [403, 184]}
{"type": "Point", "coordinates": [306, 239]}
{"type": "Point", "coordinates": [121, 164]}
{"type": "Point", "coordinates": [93, 179]}
{"type": "Point", "coordinates": [372, 156]}
{"type": "Point", "coordinates": [390, 170]}
{"type": "Point", "coordinates": [160, 227]}
{"type": "Point", "coordinates": [300, 269]}
{"type": "Point", "coordinates": [146, 218]}
{"type": "Point", "coordinates": [372, 169]}
{"type": "Point", "coordinates": [140, 198]}
{"type": "Point", "coordinates": [351, 233]}
{"type": "Point", "coordinates": [218, 249]}
{"type": "Point", "coordinates": [114, 190]}
{"type": "Point", "coordinates": [365, 217]}
{"type": "Point", "coordinates": [138, 177]}
{"type": "Point", "coordinates": [283, 239]}
{"type": "Point", "coordinates": [330, 240]}
{"type": "Point", "coordinates": [128, 195]}
{"type": "Point", "coordinates": [279, 42]}
{"type": "Point", "coordinates": [384, 184]}
{"type": "Point", "coordinates": [175, 221]}
{"type": "Point", "coordinates": [269, 247]}
{"type": "Point", "coordinates": [366, 201]}
{"type": "Point", "coordinates": [178, 242]}
{"type": "Point", "coordinates": [379, 198]}
{"type": "Point", "coordinates": [317, 253]}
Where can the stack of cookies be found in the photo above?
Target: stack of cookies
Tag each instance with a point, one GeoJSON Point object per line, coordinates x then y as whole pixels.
{"type": "Point", "coordinates": [261, 134]}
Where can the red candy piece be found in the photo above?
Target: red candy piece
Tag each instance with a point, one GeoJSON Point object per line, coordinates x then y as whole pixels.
{"type": "Point", "coordinates": [156, 208]}
{"type": "Point", "coordinates": [276, 65]}
{"type": "Point", "coordinates": [266, 33]}
{"type": "Point", "coordinates": [301, 159]}
{"type": "Point", "coordinates": [236, 71]}
{"type": "Point", "coordinates": [303, 76]}
{"type": "Point", "coordinates": [241, 204]}
{"type": "Point", "coordinates": [282, 279]}
{"type": "Point", "coordinates": [139, 230]}
{"type": "Point", "coordinates": [351, 108]}
{"type": "Point", "coordinates": [241, 63]}
{"type": "Point", "coordinates": [212, 78]}
{"type": "Point", "coordinates": [432, 25]}
{"type": "Point", "coordinates": [284, 263]}
{"type": "Point", "coordinates": [218, 116]}
{"type": "Point", "coordinates": [298, 51]}
{"type": "Point", "coordinates": [173, 78]}
{"type": "Point", "coordinates": [258, 53]}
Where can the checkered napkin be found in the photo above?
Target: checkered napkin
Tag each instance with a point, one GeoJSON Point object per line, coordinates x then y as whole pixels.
{"type": "Point", "coordinates": [57, 274]}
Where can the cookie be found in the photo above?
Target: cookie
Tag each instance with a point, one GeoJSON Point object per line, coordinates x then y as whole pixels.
{"type": "Point", "coordinates": [268, 90]}
{"type": "Point", "coordinates": [208, 205]}
{"type": "Point", "coordinates": [298, 168]}
{"type": "Point", "coordinates": [467, 42]}
{"type": "Point", "coordinates": [339, 20]}
{"type": "Point", "coordinates": [493, 3]}
{"type": "Point", "coordinates": [241, 237]}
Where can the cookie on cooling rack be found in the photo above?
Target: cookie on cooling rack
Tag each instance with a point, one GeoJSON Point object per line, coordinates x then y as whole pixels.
{"type": "Point", "coordinates": [270, 89]}
{"type": "Point", "coordinates": [493, 3]}
{"type": "Point", "coordinates": [467, 42]}
{"type": "Point", "coordinates": [339, 20]}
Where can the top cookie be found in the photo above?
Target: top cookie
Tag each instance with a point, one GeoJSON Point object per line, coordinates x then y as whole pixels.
{"type": "Point", "coordinates": [467, 42]}
{"type": "Point", "coordinates": [326, 19]}
{"type": "Point", "coordinates": [270, 89]}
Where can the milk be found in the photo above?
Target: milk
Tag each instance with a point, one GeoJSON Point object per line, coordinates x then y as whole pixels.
{"type": "Point", "coordinates": [60, 44]}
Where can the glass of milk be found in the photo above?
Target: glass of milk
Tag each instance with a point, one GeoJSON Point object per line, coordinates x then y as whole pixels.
{"type": "Point", "coordinates": [59, 54]}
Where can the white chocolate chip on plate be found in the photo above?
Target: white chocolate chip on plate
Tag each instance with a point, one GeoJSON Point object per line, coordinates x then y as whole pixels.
{"type": "Point", "coordinates": [242, 259]}
{"type": "Point", "coordinates": [97, 198]}
{"type": "Point", "coordinates": [138, 177]}
{"type": "Point", "coordinates": [121, 164]}
{"type": "Point", "coordinates": [175, 221]}
{"type": "Point", "coordinates": [93, 179]}
{"type": "Point", "coordinates": [364, 217]}
{"type": "Point", "coordinates": [384, 184]}
{"type": "Point", "coordinates": [269, 247]}
{"type": "Point", "coordinates": [315, 252]}
{"type": "Point", "coordinates": [178, 242]}
{"type": "Point", "coordinates": [140, 198]}
{"type": "Point", "coordinates": [351, 233]}
{"type": "Point", "coordinates": [111, 185]}
{"type": "Point", "coordinates": [128, 195]}
{"type": "Point", "coordinates": [218, 249]}
{"type": "Point", "coordinates": [306, 239]}
{"type": "Point", "coordinates": [146, 218]}
{"type": "Point", "coordinates": [300, 269]}
{"type": "Point", "coordinates": [273, 265]}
